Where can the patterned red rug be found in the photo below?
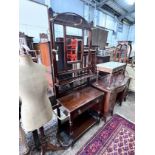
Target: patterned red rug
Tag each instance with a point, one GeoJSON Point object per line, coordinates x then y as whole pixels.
{"type": "Point", "coordinates": [116, 137]}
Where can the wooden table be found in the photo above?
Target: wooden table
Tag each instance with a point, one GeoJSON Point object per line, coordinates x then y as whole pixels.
{"type": "Point", "coordinates": [117, 90]}
{"type": "Point", "coordinates": [77, 104]}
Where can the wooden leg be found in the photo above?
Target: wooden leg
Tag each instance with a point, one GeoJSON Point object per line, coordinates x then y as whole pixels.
{"type": "Point", "coordinates": [46, 146]}
{"type": "Point", "coordinates": [120, 100]}
{"type": "Point", "coordinates": [105, 115]}
{"type": "Point", "coordinates": [112, 112]}
{"type": "Point", "coordinates": [42, 131]}
{"type": "Point", "coordinates": [36, 139]}
{"type": "Point", "coordinates": [71, 142]}
{"type": "Point", "coordinates": [59, 121]}
{"type": "Point", "coordinates": [103, 118]}
{"type": "Point", "coordinates": [97, 78]}
{"type": "Point", "coordinates": [71, 130]}
{"type": "Point", "coordinates": [42, 134]}
{"type": "Point", "coordinates": [100, 109]}
{"type": "Point", "coordinates": [59, 126]}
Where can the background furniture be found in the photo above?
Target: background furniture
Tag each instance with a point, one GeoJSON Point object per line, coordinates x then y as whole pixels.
{"type": "Point", "coordinates": [102, 59]}
{"type": "Point", "coordinates": [28, 41]}
{"type": "Point", "coordinates": [112, 68]}
{"type": "Point", "coordinates": [99, 37]}
{"type": "Point", "coordinates": [113, 82]}
{"type": "Point", "coordinates": [130, 71]}
{"type": "Point", "coordinates": [123, 51]}
{"type": "Point", "coordinates": [44, 51]}
{"type": "Point", "coordinates": [117, 91]}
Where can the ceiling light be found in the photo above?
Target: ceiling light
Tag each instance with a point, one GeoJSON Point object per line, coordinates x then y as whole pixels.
{"type": "Point", "coordinates": [130, 2]}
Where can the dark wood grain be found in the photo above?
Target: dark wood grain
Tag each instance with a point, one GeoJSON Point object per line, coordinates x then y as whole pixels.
{"type": "Point", "coordinates": [79, 98]}
{"type": "Point", "coordinates": [119, 90]}
{"type": "Point", "coordinates": [78, 103]}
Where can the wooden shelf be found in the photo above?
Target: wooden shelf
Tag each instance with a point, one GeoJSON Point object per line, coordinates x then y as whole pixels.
{"type": "Point", "coordinates": [71, 46]}
{"type": "Point", "coordinates": [80, 125]}
{"type": "Point", "coordinates": [71, 49]}
{"type": "Point", "coordinates": [73, 62]}
{"type": "Point", "coordinates": [73, 71]}
{"type": "Point", "coordinates": [64, 82]}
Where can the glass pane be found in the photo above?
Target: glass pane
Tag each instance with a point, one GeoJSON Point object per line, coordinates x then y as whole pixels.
{"type": "Point", "coordinates": [58, 31]}
{"type": "Point", "coordinates": [73, 31]}
{"type": "Point", "coordinates": [102, 19]}
{"type": "Point", "coordinates": [86, 34]}
{"type": "Point", "coordinates": [110, 22]}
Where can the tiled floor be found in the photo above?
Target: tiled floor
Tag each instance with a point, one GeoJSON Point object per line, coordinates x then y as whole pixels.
{"type": "Point", "coordinates": [127, 110]}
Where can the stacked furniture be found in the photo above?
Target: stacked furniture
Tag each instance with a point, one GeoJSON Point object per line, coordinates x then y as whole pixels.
{"type": "Point", "coordinates": [123, 51]}
{"type": "Point", "coordinates": [114, 84]}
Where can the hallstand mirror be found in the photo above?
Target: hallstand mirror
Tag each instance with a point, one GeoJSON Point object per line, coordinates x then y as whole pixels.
{"type": "Point", "coordinates": [72, 54]}
{"type": "Point", "coordinates": [73, 70]}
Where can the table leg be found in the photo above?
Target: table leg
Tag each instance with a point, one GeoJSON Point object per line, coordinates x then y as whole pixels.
{"type": "Point", "coordinates": [42, 133]}
{"type": "Point", "coordinates": [111, 112]}
{"type": "Point", "coordinates": [100, 108]}
{"type": "Point", "coordinates": [97, 78]}
{"type": "Point", "coordinates": [71, 129]}
{"type": "Point", "coordinates": [59, 121]}
{"type": "Point", "coordinates": [104, 118]}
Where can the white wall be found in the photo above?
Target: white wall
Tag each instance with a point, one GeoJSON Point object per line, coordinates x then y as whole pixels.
{"type": "Point", "coordinates": [131, 35]}
{"type": "Point", "coordinates": [109, 22]}
{"type": "Point", "coordinates": [124, 34]}
{"type": "Point", "coordinates": [60, 6]}
{"type": "Point", "coordinates": [33, 19]}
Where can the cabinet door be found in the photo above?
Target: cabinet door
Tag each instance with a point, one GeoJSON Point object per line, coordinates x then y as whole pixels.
{"type": "Point", "coordinates": [45, 59]}
{"type": "Point", "coordinates": [44, 50]}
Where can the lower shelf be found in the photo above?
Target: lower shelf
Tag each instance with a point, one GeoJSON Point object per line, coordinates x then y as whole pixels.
{"type": "Point", "coordinates": [80, 125]}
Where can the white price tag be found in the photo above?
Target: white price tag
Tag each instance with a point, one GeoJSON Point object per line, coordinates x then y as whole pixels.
{"type": "Point", "coordinates": [57, 57]}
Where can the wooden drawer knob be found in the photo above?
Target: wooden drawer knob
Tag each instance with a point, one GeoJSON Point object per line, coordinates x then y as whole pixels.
{"type": "Point", "coordinates": [97, 101]}
{"type": "Point", "coordinates": [79, 111]}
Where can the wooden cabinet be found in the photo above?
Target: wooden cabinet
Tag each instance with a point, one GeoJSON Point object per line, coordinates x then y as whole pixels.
{"type": "Point", "coordinates": [44, 51]}
{"type": "Point", "coordinates": [114, 84]}
{"type": "Point", "coordinates": [117, 91]}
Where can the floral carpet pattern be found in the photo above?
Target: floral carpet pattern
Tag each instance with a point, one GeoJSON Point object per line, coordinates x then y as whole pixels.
{"type": "Point", "coordinates": [116, 137]}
